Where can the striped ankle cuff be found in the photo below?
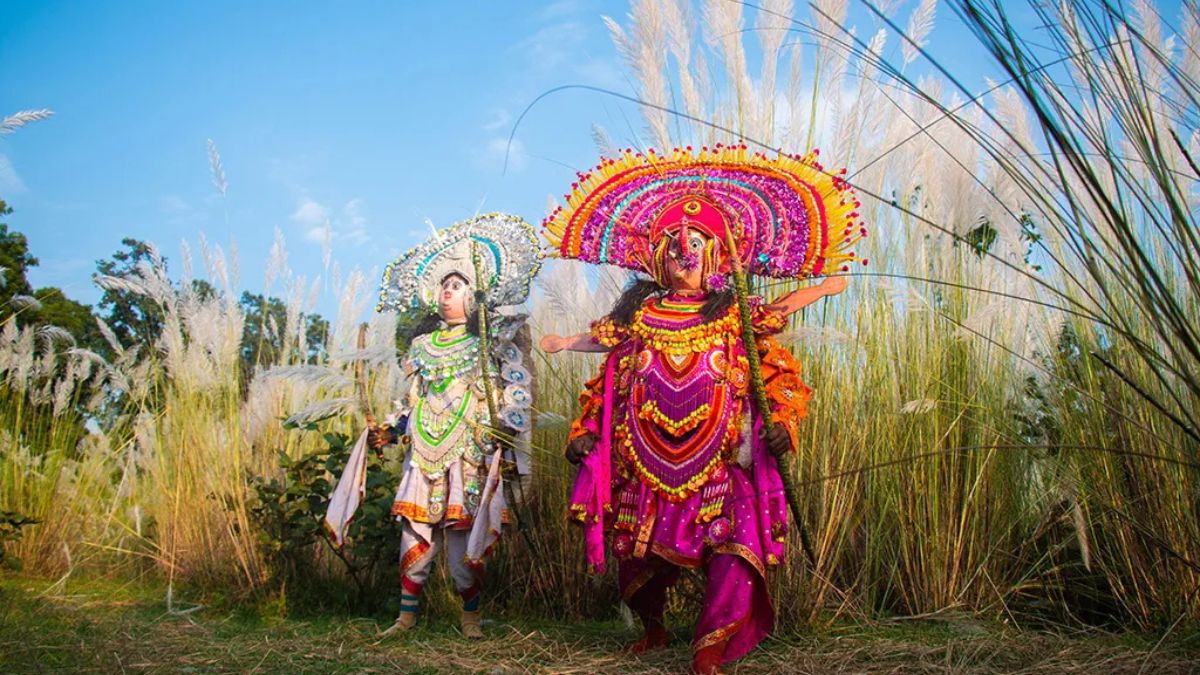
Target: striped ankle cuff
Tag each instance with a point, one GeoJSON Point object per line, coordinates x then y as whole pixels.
{"type": "Point", "coordinates": [470, 598]}
{"type": "Point", "coordinates": [409, 603]}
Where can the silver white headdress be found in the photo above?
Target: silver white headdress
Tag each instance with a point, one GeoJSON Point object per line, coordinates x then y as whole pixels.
{"type": "Point", "coordinates": [510, 254]}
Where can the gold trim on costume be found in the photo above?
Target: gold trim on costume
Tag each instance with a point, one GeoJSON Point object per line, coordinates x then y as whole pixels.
{"type": "Point", "coordinates": [674, 557]}
{"type": "Point", "coordinates": [412, 555]}
{"type": "Point", "coordinates": [644, 532]}
{"type": "Point", "coordinates": [640, 580]}
{"type": "Point", "coordinates": [720, 635]}
{"type": "Point", "coordinates": [411, 511]}
{"type": "Point", "coordinates": [742, 551]}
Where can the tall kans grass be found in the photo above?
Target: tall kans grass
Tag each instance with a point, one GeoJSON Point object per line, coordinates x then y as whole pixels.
{"type": "Point", "coordinates": [1005, 418]}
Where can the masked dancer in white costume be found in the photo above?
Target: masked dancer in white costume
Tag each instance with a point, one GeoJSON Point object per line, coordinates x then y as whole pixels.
{"type": "Point", "coordinates": [454, 416]}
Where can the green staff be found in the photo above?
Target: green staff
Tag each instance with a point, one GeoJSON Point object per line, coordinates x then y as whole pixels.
{"type": "Point", "coordinates": [741, 289]}
{"type": "Point", "coordinates": [485, 365]}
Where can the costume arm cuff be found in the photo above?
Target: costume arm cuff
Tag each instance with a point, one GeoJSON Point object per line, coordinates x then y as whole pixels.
{"type": "Point", "coordinates": [607, 333]}
{"type": "Point", "coordinates": [765, 321]}
{"type": "Point", "coordinates": [591, 402]}
{"type": "Point", "coordinates": [788, 394]}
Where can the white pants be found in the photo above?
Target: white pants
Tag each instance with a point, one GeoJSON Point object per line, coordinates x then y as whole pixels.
{"type": "Point", "coordinates": [455, 542]}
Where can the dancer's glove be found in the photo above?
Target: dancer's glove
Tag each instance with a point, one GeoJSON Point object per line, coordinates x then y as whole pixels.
{"type": "Point", "coordinates": [580, 448]}
{"type": "Point", "coordinates": [380, 436]}
{"type": "Point", "coordinates": [504, 435]}
{"type": "Point", "coordinates": [777, 440]}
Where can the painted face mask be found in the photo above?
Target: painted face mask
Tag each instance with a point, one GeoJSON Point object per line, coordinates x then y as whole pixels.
{"type": "Point", "coordinates": [688, 246]}
{"type": "Point", "coordinates": [455, 299]}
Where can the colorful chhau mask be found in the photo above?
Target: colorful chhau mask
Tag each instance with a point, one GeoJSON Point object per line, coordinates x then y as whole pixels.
{"type": "Point", "coordinates": [692, 231]}
{"type": "Point", "coordinates": [510, 258]}
{"type": "Point", "coordinates": [790, 218]}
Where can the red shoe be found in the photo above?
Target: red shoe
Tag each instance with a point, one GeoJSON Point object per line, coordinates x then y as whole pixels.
{"type": "Point", "coordinates": [654, 638]}
{"type": "Point", "coordinates": [707, 661]}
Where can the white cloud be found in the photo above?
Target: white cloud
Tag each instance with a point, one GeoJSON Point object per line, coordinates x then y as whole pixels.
{"type": "Point", "coordinates": [500, 118]}
{"type": "Point", "coordinates": [560, 9]}
{"type": "Point", "coordinates": [550, 45]}
{"type": "Point", "coordinates": [322, 225]}
{"type": "Point", "coordinates": [355, 222]}
{"type": "Point", "coordinates": [174, 204]}
{"type": "Point", "coordinates": [497, 150]}
{"type": "Point", "coordinates": [352, 212]}
{"type": "Point", "coordinates": [603, 73]}
{"type": "Point", "coordinates": [318, 234]}
{"type": "Point", "coordinates": [10, 182]}
{"type": "Point", "coordinates": [310, 213]}
{"type": "Point", "coordinates": [178, 211]}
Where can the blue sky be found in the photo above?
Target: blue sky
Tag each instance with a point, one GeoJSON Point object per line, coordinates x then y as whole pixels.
{"type": "Point", "coordinates": [365, 119]}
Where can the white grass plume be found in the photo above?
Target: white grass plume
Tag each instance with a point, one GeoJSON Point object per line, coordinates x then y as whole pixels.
{"type": "Point", "coordinates": [372, 355]}
{"type": "Point", "coordinates": [724, 32]}
{"type": "Point", "coordinates": [315, 376]}
{"type": "Point", "coordinates": [21, 302]}
{"type": "Point", "coordinates": [21, 118]}
{"type": "Point", "coordinates": [918, 406]}
{"type": "Point", "coordinates": [604, 144]}
{"type": "Point", "coordinates": [886, 7]}
{"type": "Point", "coordinates": [52, 334]}
{"type": "Point", "coordinates": [1190, 26]}
{"type": "Point", "coordinates": [772, 22]}
{"type": "Point", "coordinates": [321, 410]}
{"type": "Point", "coordinates": [86, 355]}
{"type": "Point", "coordinates": [676, 16]}
{"type": "Point", "coordinates": [794, 92]}
{"type": "Point", "coordinates": [815, 336]}
{"type": "Point", "coordinates": [214, 166]}
{"type": "Point", "coordinates": [642, 52]}
{"type": "Point", "coordinates": [277, 261]}
{"type": "Point", "coordinates": [185, 275]}
{"type": "Point", "coordinates": [829, 16]}
{"type": "Point", "coordinates": [920, 23]}
{"type": "Point", "coordinates": [235, 270]}
{"type": "Point", "coordinates": [109, 336]}
{"type": "Point", "coordinates": [547, 419]}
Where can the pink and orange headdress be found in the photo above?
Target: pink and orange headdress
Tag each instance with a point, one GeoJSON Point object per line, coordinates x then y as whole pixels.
{"type": "Point", "coordinates": [789, 216]}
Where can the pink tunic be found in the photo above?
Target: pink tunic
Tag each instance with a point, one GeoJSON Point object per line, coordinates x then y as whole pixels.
{"type": "Point", "coordinates": [679, 473]}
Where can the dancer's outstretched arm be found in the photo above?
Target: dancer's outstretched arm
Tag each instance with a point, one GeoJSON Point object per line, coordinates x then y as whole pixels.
{"type": "Point", "coordinates": [582, 342]}
{"type": "Point", "coordinates": [803, 297]}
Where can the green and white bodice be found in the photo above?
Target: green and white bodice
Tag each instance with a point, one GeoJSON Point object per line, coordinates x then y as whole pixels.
{"type": "Point", "coordinates": [446, 401]}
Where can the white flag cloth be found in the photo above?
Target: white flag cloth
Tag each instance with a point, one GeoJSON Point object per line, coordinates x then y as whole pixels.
{"type": "Point", "coordinates": [489, 519]}
{"type": "Point", "coordinates": [349, 492]}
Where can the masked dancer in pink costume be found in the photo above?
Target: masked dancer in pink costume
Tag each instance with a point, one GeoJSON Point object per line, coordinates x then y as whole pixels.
{"type": "Point", "coordinates": [675, 466]}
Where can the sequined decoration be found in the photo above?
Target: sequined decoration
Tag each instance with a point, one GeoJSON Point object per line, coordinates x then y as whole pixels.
{"type": "Point", "coordinates": [511, 258]}
{"type": "Point", "coordinates": [684, 401]}
{"type": "Point", "coordinates": [792, 218]}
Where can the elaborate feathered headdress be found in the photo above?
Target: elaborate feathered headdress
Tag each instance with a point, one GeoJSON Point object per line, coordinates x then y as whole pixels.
{"type": "Point", "coordinates": [510, 256]}
{"type": "Point", "coordinates": [789, 216]}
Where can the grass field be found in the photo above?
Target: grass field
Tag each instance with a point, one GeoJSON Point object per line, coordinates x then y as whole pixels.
{"type": "Point", "coordinates": [1006, 419]}
{"type": "Point", "coordinates": [106, 626]}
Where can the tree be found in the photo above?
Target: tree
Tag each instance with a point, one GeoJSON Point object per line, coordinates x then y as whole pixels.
{"type": "Point", "coordinates": [74, 317]}
{"type": "Point", "coordinates": [262, 343]}
{"type": "Point", "coordinates": [56, 308]}
{"type": "Point", "coordinates": [134, 318]}
{"type": "Point", "coordinates": [14, 261]}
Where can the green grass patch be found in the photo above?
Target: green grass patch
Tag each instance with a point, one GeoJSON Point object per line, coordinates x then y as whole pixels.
{"type": "Point", "coordinates": [99, 625]}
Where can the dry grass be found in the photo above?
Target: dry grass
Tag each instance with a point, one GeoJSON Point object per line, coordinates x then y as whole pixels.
{"type": "Point", "coordinates": [109, 627]}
